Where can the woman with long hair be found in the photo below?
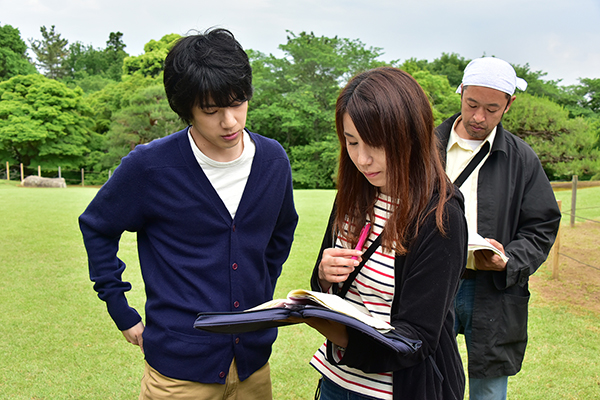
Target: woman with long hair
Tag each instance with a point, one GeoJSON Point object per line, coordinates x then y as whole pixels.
{"type": "Point", "coordinates": [391, 180]}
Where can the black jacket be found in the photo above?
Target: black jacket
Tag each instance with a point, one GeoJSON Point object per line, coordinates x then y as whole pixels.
{"type": "Point", "coordinates": [426, 281]}
{"type": "Point", "coordinates": [517, 207]}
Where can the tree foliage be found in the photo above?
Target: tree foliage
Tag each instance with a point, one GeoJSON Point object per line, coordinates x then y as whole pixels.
{"type": "Point", "coordinates": [91, 69]}
{"type": "Point", "coordinates": [589, 94]}
{"type": "Point", "coordinates": [450, 65]}
{"type": "Point", "coordinates": [565, 146]}
{"type": "Point", "coordinates": [84, 61]}
{"type": "Point", "coordinates": [114, 99]}
{"type": "Point", "coordinates": [295, 94]}
{"type": "Point", "coordinates": [115, 54]}
{"type": "Point", "coordinates": [146, 117]}
{"type": "Point", "coordinates": [295, 97]}
{"type": "Point", "coordinates": [13, 54]}
{"type": "Point", "coordinates": [42, 121]}
{"type": "Point", "coordinates": [314, 166]}
{"type": "Point", "coordinates": [151, 63]}
{"type": "Point", "coordinates": [51, 53]}
{"type": "Point", "coordinates": [112, 102]}
{"type": "Point", "coordinates": [443, 98]}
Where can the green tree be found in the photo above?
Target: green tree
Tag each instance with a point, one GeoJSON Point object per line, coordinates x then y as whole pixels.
{"type": "Point", "coordinates": [565, 146]}
{"type": "Point", "coordinates": [294, 100]}
{"type": "Point", "coordinates": [590, 94]}
{"type": "Point", "coordinates": [91, 68]}
{"type": "Point", "coordinates": [51, 53]}
{"type": "Point", "coordinates": [576, 99]}
{"type": "Point", "coordinates": [295, 95]}
{"type": "Point", "coordinates": [83, 61]}
{"type": "Point", "coordinates": [151, 63]}
{"type": "Point", "coordinates": [565, 96]}
{"type": "Point", "coordinates": [115, 54]}
{"type": "Point", "coordinates": [443, 98]}
{"type": "Point", "coordinates": [413, 65]}
{"type": "Point", "coordinates": [451, 65]}
{"type": "Point", "coordinates": [114, 97]}
{"type": "Point", "coordinates": [106, 149]}
{"type": "Point", "coordinates": [13, 54]}
{"type": "Point", "coordinates": [148, 116]}
{"type": "Point", "coordinates": [538, 86]}
{"type": "Point", "coordinates": [314, 165]}
{"type": "Point", "coordinates": [43, 122]}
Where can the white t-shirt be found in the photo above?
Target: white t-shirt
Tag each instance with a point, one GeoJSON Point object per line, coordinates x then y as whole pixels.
{"type": "Point", "coordinates": [228, 178]}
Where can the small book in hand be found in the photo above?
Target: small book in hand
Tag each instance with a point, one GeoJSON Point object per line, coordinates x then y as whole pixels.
{"type": "Point", "coordinates": [305, 304]}
{"type": "Point", "coordinates": [477, 242]}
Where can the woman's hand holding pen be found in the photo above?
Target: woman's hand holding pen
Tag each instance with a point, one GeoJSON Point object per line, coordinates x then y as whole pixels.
{"type": "Point", "coordinates": [336, 265]}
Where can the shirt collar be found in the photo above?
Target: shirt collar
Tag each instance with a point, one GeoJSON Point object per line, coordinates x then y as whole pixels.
{"type": "Point", "coordinates": [454, 139]}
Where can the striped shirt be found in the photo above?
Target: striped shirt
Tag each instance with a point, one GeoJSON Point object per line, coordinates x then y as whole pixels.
{"type": "Point", "coordinates": [372, 293]}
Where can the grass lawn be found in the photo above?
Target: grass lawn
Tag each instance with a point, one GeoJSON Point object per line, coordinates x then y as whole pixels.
{"type": "Point", "coordinates": [587, 204]}
{"type": "Point", "coordinates": [58, 341]}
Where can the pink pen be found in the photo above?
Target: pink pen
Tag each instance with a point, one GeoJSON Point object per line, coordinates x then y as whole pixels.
{"type": "Point", "coordinates": [362, 239]}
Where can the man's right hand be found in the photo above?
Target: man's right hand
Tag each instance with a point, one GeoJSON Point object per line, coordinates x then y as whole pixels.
{"type": "Point", "coordinates": [487, 260]}
{"type": "Point", "coordinates": [134, 335]}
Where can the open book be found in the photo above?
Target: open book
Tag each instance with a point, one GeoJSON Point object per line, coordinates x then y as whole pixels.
{"type": "Point", "coordinates": [477, 242]}
{"type": "Point", "coordinates": [299, 298]}
{"type": "Point", "coordinates": [305, 304]}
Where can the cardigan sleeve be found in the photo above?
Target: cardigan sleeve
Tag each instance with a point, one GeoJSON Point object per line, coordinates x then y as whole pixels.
{"type": "Point", "coordinates": [280, 243]}
{"type": "Point", "coordinates": [116, 208]}
{"type": "Point", "coordinates": [426, 282]}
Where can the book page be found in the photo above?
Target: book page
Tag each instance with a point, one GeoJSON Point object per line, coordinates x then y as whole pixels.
{"type": "Point", "coordinates": [477, 242]}
{"type": "Point", "coordinates": [340, 305]}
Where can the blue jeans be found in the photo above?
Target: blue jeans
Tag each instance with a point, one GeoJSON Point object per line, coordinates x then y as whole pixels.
{"type": "Point", "coordinates": [331, 391]}
{"type": "Point", "coordinates": [487, 388]}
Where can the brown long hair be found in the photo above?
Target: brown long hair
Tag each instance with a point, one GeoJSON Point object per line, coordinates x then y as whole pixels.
{"type": "Point", "coordinates": [390, 110]}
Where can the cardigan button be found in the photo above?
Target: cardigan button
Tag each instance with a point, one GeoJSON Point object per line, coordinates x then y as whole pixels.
{"type": "Point", "coordinates": [222, 374]}
{"type": "Point", "coordinates": [234, 266]}
{"type": "Point", "coordinates": [233, 228]}
{"type": "Point", "coordinates": [237, 340]}
{"type": "Point", "coordinates": [236, 304]}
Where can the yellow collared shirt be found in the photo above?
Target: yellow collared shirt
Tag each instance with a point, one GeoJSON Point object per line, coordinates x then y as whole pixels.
{"type": "Point", "coordinates": [459, 153]}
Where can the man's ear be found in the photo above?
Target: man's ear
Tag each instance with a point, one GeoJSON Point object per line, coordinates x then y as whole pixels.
{"type": "Point", "coordinates": [509, 104]}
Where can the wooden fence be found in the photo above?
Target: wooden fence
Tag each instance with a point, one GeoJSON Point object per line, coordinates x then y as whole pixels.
{"type": "Point", "coordinates": [573, 186]}
{"type": "Point", "coordinates": [75, 176]}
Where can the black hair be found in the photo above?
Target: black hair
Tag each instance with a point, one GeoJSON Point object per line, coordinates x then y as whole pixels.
{"type": "Point", "coordinates": [208, 69]}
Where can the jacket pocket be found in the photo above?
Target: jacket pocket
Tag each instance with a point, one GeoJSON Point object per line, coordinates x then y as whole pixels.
{"type": "Point", "coordinates": [513, 327]}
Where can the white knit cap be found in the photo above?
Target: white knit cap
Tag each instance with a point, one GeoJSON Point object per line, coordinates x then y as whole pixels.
{"type": "Point", "coordinates": [493, 73]}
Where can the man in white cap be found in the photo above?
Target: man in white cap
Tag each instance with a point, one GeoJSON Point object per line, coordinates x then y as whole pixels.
{"type": "Point", "coordinates": [508, 201]}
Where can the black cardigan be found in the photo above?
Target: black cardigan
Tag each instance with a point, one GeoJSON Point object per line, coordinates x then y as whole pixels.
{"type": "Point", "coordinates": [426, 281]}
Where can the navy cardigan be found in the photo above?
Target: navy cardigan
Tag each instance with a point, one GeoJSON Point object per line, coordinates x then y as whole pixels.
{"type": "Point", "coordinates": [194, 257]}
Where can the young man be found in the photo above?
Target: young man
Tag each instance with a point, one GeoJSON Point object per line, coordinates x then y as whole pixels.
{"type": "Point", "coordinates": [213, 210]}
{"type": "Point", "coordinates": [509, 201]}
